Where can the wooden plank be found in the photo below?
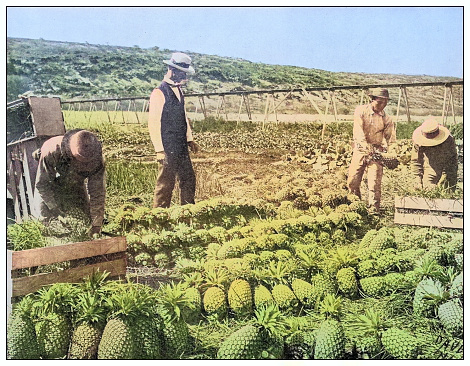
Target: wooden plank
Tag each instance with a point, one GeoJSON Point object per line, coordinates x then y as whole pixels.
{"type": "Point", "coordinates": [420, 203]}
{"type": "Point", "coordinates": [47, 116]}
{"type": "Point", "coordinates": [61, 253]}
{"type": "Point", "coordinates": [25, 285]}
{"type": "Point", "coordinates": [428, 220]}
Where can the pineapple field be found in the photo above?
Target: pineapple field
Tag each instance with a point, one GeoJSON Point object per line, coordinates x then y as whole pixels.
{"type": "Point", "coordinates": [276, 260]}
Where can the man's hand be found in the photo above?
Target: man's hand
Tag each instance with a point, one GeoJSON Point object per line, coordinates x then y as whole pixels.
{"type": "Point", "coordinates": [193, 146]}
{"type": "Point", "coordinates": [94, 230]}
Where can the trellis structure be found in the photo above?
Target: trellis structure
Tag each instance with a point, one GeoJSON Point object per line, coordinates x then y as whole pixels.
{"type": "Point", "coordinates": [133, 109]}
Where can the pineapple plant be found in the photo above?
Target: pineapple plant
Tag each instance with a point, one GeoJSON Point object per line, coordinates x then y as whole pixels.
{"type": "Point", "coordinates": [400, 343]}
{"type": "Point", "coordinates": [283, 295]}
{"type": "Point", "coordinates": [52, 316]}
{"type": "Point", "coordinates": [22, 343]}
{"type": "Point", "coordinates": [91, 318]}
{"type": "Point", "coordinates": [240, 298]}
{"type": "Point", "coordinates": [172, 299]}
{"type": "Point", "coordinates": [192, 313]}
{"type": "Point", "coordinates": [456, 287]}
{"type": "Point", "coordinates": [425, 289]}
{"type": "Point", "coordinates": [384, 239]}
{"type": "Point", "coordinates": [369, 325]}
{"type": "Point", "coordinates": [262, 338]}
{"type": "Point", "coordinates": [214, 299]}
{"type": "Point", "coordinates": [330, 340]}
{"type": "Point", "coordinates": [118, 338]}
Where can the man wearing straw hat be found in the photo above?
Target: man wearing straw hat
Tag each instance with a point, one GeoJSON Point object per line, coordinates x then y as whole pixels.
{"type": "Point", "coordinates": [70, 179]}
{"type": "Point", "coordinates": [373, 132]}
{"type": "Point", "coordinates": [434, 156]}
{"type": "Point", "coordinates": [171, 134]}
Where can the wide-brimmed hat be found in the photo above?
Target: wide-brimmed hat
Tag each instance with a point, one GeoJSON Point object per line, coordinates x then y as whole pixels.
{"type": "Point", "coordinates": [378, 92]}
{"type": "Point", "coordinates": [430, 133]}
{"type": "Point", "coordinates": [180, 61]}
{"type": "Point", "coordinates": [83, 146]}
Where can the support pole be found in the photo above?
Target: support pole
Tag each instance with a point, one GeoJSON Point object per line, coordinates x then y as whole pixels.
{"type": "Point", "coordinates": [398, 104]}
{"type": "Point", "coordinates": [324, 117]}
{"type": "Point", "coordinates": [247, 105]}
{"type": "Point", "coordinates": [405, 95]}
{"type": "Point", "coordinates": [452, 103]}
{"type": "Point", "coordinates": [362, 97]}
{"type": "Point", "coordinates": [444, 105]}
{"type": "Point", "coordinates": [333, 99]}
{"type": "Point", "coordinates": [203, 105]}
{"type": "Point", "coordinates": [312, 102]}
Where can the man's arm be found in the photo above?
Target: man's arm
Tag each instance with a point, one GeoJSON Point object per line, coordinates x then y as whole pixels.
{"type": "Point", "coordinates": [359, 138]}
{"type": "Point", "coordinates": [157, 100]}
{"type": "Point", "coordinates": [97, 191]}
{"type": "Point", "coordinates": [45, 176]}
{"type": "Point", "coordinates": [417, 169]}
{"type": "Point", "coordinates": [390, 135]}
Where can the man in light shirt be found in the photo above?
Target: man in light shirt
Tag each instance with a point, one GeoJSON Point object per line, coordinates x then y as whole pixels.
{"type": "Point", "coordinates": [171, 134]}
{"type": "Point", "coordinates": [373, 132]}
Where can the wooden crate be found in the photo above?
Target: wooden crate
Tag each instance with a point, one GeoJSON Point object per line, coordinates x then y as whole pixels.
{"type": "Point", "coordinates": [419, 211]}
{"type": "Point", "coordinates": [18, 286]}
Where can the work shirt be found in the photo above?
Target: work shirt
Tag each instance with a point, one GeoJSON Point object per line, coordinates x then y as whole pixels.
{"type": "Point", "coordinates": [372, 129]}
{"type": "Point", "coordinates": [156, 108]}
{"type": "Point", "coordinates": [429, 162]}
{"type": "Point", "coordinates": [60, 182]}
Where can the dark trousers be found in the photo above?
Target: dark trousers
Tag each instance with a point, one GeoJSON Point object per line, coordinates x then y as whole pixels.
{"type": "Point", "coordinates": [169, 170]}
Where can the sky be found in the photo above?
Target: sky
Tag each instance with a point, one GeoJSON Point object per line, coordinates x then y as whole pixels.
{"type": "Point", "coordinates": [393, 40]}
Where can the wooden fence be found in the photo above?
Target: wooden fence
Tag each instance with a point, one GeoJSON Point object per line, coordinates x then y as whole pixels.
{"type": "Point", "coordinates": [108, 255]}
{"type": "Point", "coordinates": [322, 100]}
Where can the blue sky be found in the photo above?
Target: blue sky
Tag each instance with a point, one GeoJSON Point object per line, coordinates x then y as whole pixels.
{"type": "Point", "coordinates": [396, 40]}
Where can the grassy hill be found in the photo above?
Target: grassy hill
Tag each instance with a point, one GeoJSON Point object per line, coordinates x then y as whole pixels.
{"type": "Point", "coordinates": [75, 70]}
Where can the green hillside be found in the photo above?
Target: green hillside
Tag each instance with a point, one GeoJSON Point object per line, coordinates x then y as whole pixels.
{"type": "Point", "coordinates": [74, 70]}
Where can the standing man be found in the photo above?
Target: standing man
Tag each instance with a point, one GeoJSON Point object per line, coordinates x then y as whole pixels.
{"type": "Point", "coordinates": [71, 179]}
{"type": "Point", "coordinates": [373, 132]}
{"type": "Point", "coordinates": [434, 154]}
{"type": "Point", "coordinates": [171, 134]}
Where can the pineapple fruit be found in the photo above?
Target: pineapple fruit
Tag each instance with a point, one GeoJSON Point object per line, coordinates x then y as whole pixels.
{"type": "Point", "coordinates": [330, 340]}
{"type": "Point", "coordinates": [450, 314]}
{"type": "Point", "coordinates": [53, 325]}
{"type": "Point", "coordinates": [172, 299]}
{"type": "Point", "coordinates": [214, 299]}
{"type": "Point", "coordinates": [262, 296]}
{"type": "Point", "coordinates": [261, 339]}
{"type": "Point", "coordinates": [22, 343]}
{"type": "Point", "coordinates": [347, 282]}
{"type": "Point", "coordinates": [240, 298]}
{"type": "Point", "coordinates": [303, 291]}
{"type": "Point", "coordinates": [400, 343]}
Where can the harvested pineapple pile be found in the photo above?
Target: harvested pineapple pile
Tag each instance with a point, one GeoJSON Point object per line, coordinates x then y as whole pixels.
{"type": "Point", "coordinates": [258, 280]}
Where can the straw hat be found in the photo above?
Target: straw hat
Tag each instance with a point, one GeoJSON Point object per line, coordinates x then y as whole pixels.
{"type": "Point", "coordinates": [83, 146]}
{"type": "Point", "coordinates": [180, 61]}
{"type": "Point", "coordinates": [378, 92]}
{"type": "Point", "coordinates": [430, 133]}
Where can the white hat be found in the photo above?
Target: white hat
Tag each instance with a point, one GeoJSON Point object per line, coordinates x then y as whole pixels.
{"type": "Point", "coordinates": [180, 61]}
{"type": "Point", "coordinates": [430, 133]}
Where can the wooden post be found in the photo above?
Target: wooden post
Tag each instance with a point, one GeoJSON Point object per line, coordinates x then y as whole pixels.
{"type": "Point", "coordinates": [362, 96]}
{"type": "Point", "coordinates": [9, 282]}
{"type": "Point", "coordinates": [452, 103]}
{"type": "Point", "coordinates": [266, 109]}
{"type": "Point", "coordinates": [203, 105]}
{"type": "Point", "coordinates": [444, 105]}
{"type": "Point", "coordinates": [334, 105]}
{"type": "Point", "coordinates": [247, 105]}
{"type": "Point", "coordinates": [398, 104]}
{"type": "Point", "coordinates": [309, 97]}
{"type": "Point", "coordinates": [219, 101]}
{"type": "Point", "coordinates": [405, 95]}
{"type": "Point", "coordinates": [240, 109]}
{"type": "Point", "coordinates": [326, 112]}
{"type": "Point", "coordinates": [225, 109]}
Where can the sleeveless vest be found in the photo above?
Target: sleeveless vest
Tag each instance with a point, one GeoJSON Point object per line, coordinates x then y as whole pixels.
{"type": "Point", "coordinates": [173, 123]}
